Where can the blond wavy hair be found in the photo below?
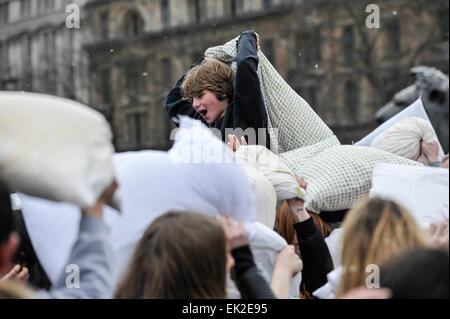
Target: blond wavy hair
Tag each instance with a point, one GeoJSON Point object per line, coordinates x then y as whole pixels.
{"type": "Point", "coordinates": [374, 231]}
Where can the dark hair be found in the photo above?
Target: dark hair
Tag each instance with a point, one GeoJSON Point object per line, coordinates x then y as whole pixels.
{"type": "Point", "coordinates": [417, 274]}
{"type": "Point", "coordinates": [180, 256]}
{"type": "Point", "coordinates": [6, 219]}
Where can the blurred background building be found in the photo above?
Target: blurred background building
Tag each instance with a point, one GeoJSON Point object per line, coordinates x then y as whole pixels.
{"type": "Point", "coordinates": [128, 54]}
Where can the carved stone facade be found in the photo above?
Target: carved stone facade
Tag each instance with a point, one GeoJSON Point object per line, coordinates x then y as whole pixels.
{"type": "Point", "coordinates": [39, 52]}
{"type": "Point", "coordinates": [137, 49]}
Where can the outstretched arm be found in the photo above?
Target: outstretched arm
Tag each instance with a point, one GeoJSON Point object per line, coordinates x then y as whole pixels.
{"type": "Point", "coordinates": [92, 255]}
{"type": "Point", "coordinates": [249, 280]}
{"type": "Point", "coordinates": [248, 98]}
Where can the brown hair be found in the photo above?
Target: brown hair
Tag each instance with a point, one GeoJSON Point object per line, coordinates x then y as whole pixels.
{"type": "Point", "coordinates": [374, 231]}
{"type": "Point", "coordinates": [181, 255]}
{"type": "Point", "coordinates": [284, 222]}
{"type": "Point", "coordinates": [212, 75]}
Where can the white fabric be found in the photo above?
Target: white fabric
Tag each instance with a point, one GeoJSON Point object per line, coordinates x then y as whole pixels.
{"type": "Point", "coordinates": [265, 247]}
{"type": "Point", "coordinates": [280, 176]}
{"type": "Point", "coordinates": [414, 110]}
{"type": "Point", "coordinates": [264, 196]}
{"type": "Point", "coordinates": [328, 291]}
{"type": "Point", "coordinates": [151, 185]}
{"type": "Point", "coordinates": [423, 191]}
{"type": "Point", "coordinates": [334, 243]}
{"type": "Point", "coordinates": [405, 138]}
{"type": "Point", "coordinates": [54, 148]}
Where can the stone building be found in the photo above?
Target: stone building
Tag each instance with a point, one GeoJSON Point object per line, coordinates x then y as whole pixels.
{"type": "Point", "coordinates": [346, 71]}
{"type": "Point", "coordinates": [137, 49]}
{"type": "Point", "coordinates": [38, 52]}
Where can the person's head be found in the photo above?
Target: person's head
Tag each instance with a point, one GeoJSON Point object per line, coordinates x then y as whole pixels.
{"type": "Point", "coordinates": [417, 274]}
{"type": "Point", "coordinates": [373, 231]}
{"type": "Point", "coordinates": [9, 240]}
{"type": "Point", "coordinates": [209, 86]}
{"type": "Point", "coordinates": [284, 225]}
{"type": "Point", "coordinates": [181, 255]}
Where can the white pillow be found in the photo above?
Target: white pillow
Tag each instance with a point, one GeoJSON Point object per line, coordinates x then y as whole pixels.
{"type": "Point", "coordinates": [405, 138]}
{"type": "Point", "coordinates": [151, 184]}
{"type": "Point", "coordinates": [423, 191]}
{"type": "Point", "coordinates": [54, 148]}
{"type": "Point", "coordinates": [269, 164]}
{"type": "Point", "coordinates": [414, 110]}
{"type": "Point", "coordinates": [264, 195]}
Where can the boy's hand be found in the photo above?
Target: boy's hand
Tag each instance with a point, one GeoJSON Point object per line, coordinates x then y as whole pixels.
{"type": "Point", "coordinates": [233, 142]}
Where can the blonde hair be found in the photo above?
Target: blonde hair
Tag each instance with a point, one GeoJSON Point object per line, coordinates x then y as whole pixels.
{"type": "Point", "coordinates": [374, 231]}
{"type": "Point", "coordinates": [212, 75]}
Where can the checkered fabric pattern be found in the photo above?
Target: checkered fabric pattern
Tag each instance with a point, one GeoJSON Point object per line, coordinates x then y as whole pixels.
{"type": "Point", "coordinates": [338, 176]}
{"type": "Point", "coordinates": [288, 113]}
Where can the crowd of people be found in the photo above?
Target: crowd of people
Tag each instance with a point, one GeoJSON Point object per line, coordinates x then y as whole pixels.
{"type": "Point", "coordinates": [183, 254]}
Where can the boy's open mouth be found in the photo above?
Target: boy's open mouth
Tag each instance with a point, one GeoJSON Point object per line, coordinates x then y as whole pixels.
{"type": "Point", "coordinates": [203, 112]}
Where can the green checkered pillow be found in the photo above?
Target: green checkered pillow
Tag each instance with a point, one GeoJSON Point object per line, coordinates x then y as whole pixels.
{"type": "Point", "coordinates": [339, 176]}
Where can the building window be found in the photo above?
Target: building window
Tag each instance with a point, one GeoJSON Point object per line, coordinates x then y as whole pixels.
{"type": "Point", "coordinates": [104, 25]}
{"type": "Point", "coordinates": [195, 10]}
{"type": "Point", "coordinates": [443, 24]}
{"type": "Point", "coordinates": [135, 79]}
{"type": "Point", "coordinates": [137, 129]}
{"type": "Point", "coordinates": [105, 82]}
{"type": "Point", "coordinates": [4, 14]}
{"type": "Point", "coordinates": [352, 99]}
{"type": "Point", "coordinates": [232, 7]}
{"type": "Point", "coordinates": [312, 97]}
{"type": "Point", "coordinates": [393, 36]}
{"type": "Point", "coordinates": [28, 68]}
{"type": "Point", "coordinates": [269, 51]}
{"type": "Point", "coordinates": [134, 25]}
{"type": "Point", "coordinates": [267, 4]}
{"type": "Point", "coordinates": [165, 13]}
{"type": "Point", "coordinates": [25, 8]}
{"type": "Point", "coordinates": [349, 43]}
{"type": "Point", "coordinates": [308, 48]}
{"type": "Point", "coordinates": [166, 69]}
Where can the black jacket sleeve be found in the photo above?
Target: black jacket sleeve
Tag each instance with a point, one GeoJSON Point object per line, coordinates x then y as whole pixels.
{"type": "Point", "coordinates": [249, 280]}
{"type": "Point", "coordinates": [249, 103]}
{"type": "Point", "coordinates": [316, 257]}
{"type": "Point", "coordinates": [175, 103]}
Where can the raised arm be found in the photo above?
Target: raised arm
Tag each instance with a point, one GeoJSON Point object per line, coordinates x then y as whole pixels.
{"type": "Point", "coordinates": [248, 278]}
{"type": "Point", "coordinates": [316, 257]}
{"type": "Point", "coordinates": [247, 91]}
{"type": "Point", "coordinates": [92, 255]}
